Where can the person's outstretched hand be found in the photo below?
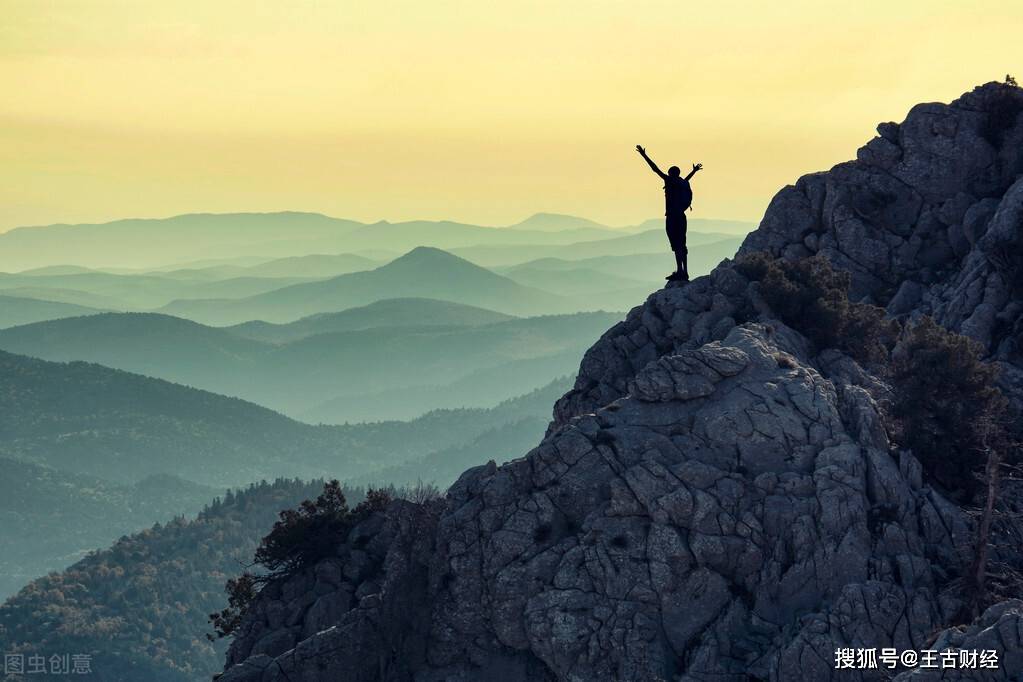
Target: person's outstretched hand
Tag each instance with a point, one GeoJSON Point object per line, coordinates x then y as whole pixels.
{"type": "Point", "coordinates": [697, 166]}
{"type": "Point", "coordinates": [640, 150]}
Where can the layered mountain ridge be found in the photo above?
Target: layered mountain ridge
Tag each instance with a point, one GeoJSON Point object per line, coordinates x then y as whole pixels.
{"type": "Point", "coordinates": [716, 498]}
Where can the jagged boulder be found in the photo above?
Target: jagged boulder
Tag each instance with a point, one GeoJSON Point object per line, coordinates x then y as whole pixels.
{"type": "Point", "coordinates": [716, 499]}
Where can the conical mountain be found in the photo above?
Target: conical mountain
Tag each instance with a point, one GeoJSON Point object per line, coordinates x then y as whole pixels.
{"type": "Point", "coordinates": [423, 272]}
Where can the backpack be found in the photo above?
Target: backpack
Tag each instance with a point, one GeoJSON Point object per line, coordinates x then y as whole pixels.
{"type": "Point", "coordinates": [680, 195]}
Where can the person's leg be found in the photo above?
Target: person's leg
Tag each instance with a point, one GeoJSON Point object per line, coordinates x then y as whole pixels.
{"type": "Point", "coordinates": [671, 229]}
{"type": "Point", "coordinates": [680, 263]}
{"type": "Point", "coordinates": [685, 251]}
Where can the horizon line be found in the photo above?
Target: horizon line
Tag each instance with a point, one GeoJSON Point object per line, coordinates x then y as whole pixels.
{"type": "Point", "coordinates": [382, 221]}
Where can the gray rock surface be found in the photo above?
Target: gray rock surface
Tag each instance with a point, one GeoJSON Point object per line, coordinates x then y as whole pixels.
{"type": "Point", "coordinates": [715, 499]}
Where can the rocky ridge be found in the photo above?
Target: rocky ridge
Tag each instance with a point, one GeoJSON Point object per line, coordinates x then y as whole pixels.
{"type": "Point", "coordinates": [715, 499]}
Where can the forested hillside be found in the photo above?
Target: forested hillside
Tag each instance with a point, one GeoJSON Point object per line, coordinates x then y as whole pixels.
{"type": "Point", "coordinates": [140, 608]}
{"type": "Point", "coordinates": [50, 519]}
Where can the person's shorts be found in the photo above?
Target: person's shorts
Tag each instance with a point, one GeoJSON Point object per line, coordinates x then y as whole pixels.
{"type": "Point", "coordinates": [675, 226]}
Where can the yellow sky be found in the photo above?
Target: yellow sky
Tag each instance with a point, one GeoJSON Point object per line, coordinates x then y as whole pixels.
{"type": "Point", "coordinates": [476, 111]}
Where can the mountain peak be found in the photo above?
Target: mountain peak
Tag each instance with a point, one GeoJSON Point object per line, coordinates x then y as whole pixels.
{"type": "Point", "coordinates": [723, 469]}
{"type": "Point", "coordinates": [428, 256]}
{"type": "Point", "coordinates": [557, 222]}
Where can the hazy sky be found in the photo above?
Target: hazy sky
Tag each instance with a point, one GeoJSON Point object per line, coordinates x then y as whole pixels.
{"type": "Point", "coordinates": [476, 111]}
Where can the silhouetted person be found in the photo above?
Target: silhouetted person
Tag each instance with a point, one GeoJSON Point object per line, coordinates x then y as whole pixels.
{"type": "Point", "coordinates": [678, 196]}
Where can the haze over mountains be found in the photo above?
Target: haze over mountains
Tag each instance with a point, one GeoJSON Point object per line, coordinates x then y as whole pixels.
{"type": "Point", "coordinates": [91, 513]}
{"type": "Point", "coordinates": [90, 453]}
{"type": "Point", "coordinates": [424, 271]}
{"type": "Point", "coordinates": [205, 267]}
{"type": "Point", "coordinates": [388, 313]}
{"type": "Point", "coordinates": [147, 364]}
{"type": "Point", "coordinates": [152, 243]}
{"type": "Point", "coordinates": [301, 374]}
{"type": "Point", "coordinates": [20, 310]}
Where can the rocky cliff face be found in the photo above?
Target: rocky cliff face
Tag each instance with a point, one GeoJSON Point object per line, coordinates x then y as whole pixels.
{"type": "Point", "coordinates": [714, 500]}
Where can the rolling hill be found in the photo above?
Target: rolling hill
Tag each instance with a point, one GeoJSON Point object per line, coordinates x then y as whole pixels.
{"type": "Point", "coordinates": [141, 243]}
{"type": "Point", "coordinates": [389, 313]}
{"type": "Point", "coordinates": [138, 291]}
{"type": "Point", "coordinates": [73, 297]}
{"type": "Point", "coordinates": [648, 268]}
{"type": "Point", "coordinates": [558, 222]}
{"type": "Point", "coordinates": [145, 343]}
{"type": "Point", "coordinates": [424, 272]}
{"type": "Point", "coordinates": [313, 265]}
{"type": "Point", "coordinates": [300, 375]}
{"type": "Point", "coordinates": [649, 241]}
{"type": "Point", "coordinates": [731, 228]}
{"type": "Point", "coordinates": [50, 519]}
{"type": "Point", "coordinates": [152, 243]}
{"type": "Point", "coordinates": [571, 281]}
{"type": "Point", "coordinates": [479, 388]}
{"type": "Point", "coordinates": [527, 419]}
{"type": "Point", "coordinates": [87, 419]}
{"type": "Point", "coordinates": [17, 311]}
{"type": "Point", "coordinates": [139, 607]}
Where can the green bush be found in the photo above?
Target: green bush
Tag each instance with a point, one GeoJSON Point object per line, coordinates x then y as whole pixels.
{"type": "Point", "coordinates": [299, 538]}
{"type": "Point", "coordinates": [305, 535]}
{"type": "Point", "coordinates": [812, 297]}
{"type": "Point", "coordinates": [946, 405]}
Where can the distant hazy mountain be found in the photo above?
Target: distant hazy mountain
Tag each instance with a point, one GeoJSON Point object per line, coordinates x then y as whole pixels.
{"type": "Point", "coordinates": [51, 519]}
{"type": "Point", "coordinates": [299, 375]}
{"type": "Point", "coordinates": [649, 241]}
{"type": "Point", "coordinates": [241, 238]}
{"type": "Point", "coordinates": [202, 263]}
{"type": "Point", "coordinates": [639, 266]}
{"type": "Point", "coordinates": [732, 228]}
{"type": "Point", "coordinates": [557, 222]}
{"type": "Point", "coordinates": [445, 234]}
{"type": "Point", "coordinates": [389, 313]}
{"type": "Point", "coordinates": [572, 281]}
{"type": "Point", "coordinates": [140, 607]}
{"type": "Point", "coordinates": [155, 345]}
{"type": "Point", "coordinates": [56, 270]}
{"type": "Point", "coordinates": [443, 467]}
{"type": "Point", "coordinates": [58, 295]}
{"type": "Point", "coordinates": [16, 310]}
{"type": "Point", "coordinates": [137, 291]}
{"type": "Point", "coordinates": [313, 265]}
{"type": "Point", "coordinates": [423, 272]}
{"type": "Point", "coordinates": [482, 387]}
{"type": "Point", "coordinates": [88, 419]}
{"type": "Point", "coordinates": [643, 267]}
{"type": "Point", "coordinates": [149, 243]}
{"type": "Point", "coordinates": [528, 416]}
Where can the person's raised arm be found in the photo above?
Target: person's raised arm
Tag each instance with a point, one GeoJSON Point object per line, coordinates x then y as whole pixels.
{"type": "Point", "coordinates": [696, 167]}
{"type": "Point", "coordinates": [653, 166]}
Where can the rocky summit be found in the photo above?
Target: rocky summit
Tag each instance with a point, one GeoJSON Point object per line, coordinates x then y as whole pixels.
{"type": "Point", "coordinates": [718, 498]}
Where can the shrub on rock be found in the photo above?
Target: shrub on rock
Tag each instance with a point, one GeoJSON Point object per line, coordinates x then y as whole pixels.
{"type": "Point", "coordinates": [812, 297]}
{"type": "Point", "coordinates": [947, 407]}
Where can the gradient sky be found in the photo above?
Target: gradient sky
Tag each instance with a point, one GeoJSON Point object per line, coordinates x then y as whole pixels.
{"type": "Point", "coordinates": [476, 111]}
